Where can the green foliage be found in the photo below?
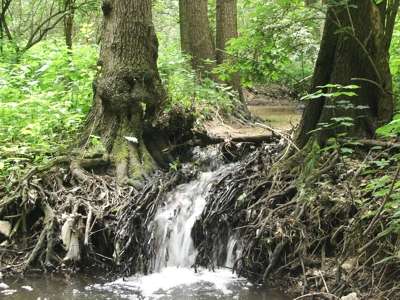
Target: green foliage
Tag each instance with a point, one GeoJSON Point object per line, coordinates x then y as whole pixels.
{"type": "Point", "coordinates": [278, 43]}
{"type": "Point", "coordinates": [395, 60]}
{"type": "Point", "coordinates": [384, 188]}
{"type": "Point", "coordinates": [44, 99]}
{"type": "Point", "coordinates": [335, 92]}
{"type": "Point", "coordinates": [390, 130]}
{"type": "Point", "coordinates": [186, 92]}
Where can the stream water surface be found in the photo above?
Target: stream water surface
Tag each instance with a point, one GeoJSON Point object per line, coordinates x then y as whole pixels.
{"type": "Point", "coordinates": [173, 276]}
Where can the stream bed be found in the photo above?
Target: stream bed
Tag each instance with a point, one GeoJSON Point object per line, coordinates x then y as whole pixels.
{"type": "Point", "coordinates": [173, 275]}
{"type": "Point", "coordinates": [177, 284]}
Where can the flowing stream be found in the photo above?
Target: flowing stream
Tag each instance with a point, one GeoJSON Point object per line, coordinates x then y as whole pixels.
{"type": "Point", "coordinates": [173, 276]}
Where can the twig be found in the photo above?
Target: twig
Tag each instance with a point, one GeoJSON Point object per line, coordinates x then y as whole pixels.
{"type": "Point", "coordinates": [327, 296]}
{"type": "Point", "coordinates": [279, 134]}
{"type": "Point", "coordinates": [87, 228]}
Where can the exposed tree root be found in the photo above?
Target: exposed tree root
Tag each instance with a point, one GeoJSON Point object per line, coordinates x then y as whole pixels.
{"type": "Point", "coordinates": [306, 224]}
{"type": "Point", "coordinates": [73, 210]}
{"type": "Point", "coordinates": [302, 224]}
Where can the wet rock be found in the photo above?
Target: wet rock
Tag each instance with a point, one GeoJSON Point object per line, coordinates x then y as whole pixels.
{"type": "Point", "coordinates": [349, 264]}
{"type": "Point", "coordinates": [27, 288]}
{"type": "Point", "coordinates": [3, 286]}
{"type": "Point", "coordinates": [5, 229]}
{"type": "Point", "coordinates": [352, 296]}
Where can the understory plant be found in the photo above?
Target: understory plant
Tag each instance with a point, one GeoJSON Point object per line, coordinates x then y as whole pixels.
{"type": "Point", "coordinates": [278, 43]}
{"type": "Point", "coordinates": [202, 97]}
{"type": "Point", "coordinates": [47, 94]}
{"type": "Point", "coordinates": [44, 99]}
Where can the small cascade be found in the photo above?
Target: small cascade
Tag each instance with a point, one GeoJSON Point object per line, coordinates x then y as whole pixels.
{"type": "Point", "coordinates": [174, 251]}
{"type": "Point", "coordinates": [173, 223]}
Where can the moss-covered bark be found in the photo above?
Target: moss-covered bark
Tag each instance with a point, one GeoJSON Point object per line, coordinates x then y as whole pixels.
{"type": "Point", "coordinates": [128, 89]}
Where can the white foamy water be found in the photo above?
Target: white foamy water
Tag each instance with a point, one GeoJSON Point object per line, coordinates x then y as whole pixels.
{"type": "Point", "coordinates": [173, 223]}
{"type": "Point", "coordinates": [233, 252]}
{"type": "Point", "coordinates": [172, 282]}
{"type": "Point", "coordinates": [175, 252]}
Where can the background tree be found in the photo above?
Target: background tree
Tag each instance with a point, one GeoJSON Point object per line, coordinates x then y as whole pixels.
{"type": "Point", "coordinates": [69, 7]}
{"type": "Point", "coordinates": [226, 26]}
{"type": "Point", "coordinates": [128, 87]}
{"type": "Point", "coordinates": [4, 31]}
{"type": "Point", "coordinates": [196, 37]}
{"type": "Point", "coordinates": [227, 29]}
{"type": "Point", "coordinates": [354, 50]}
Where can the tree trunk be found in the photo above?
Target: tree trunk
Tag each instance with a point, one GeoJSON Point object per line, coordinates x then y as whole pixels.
{"type": "Point", "coordinates": [227, 30]}
{"type": "Point", "coordinates": [69, 22]}
{"type": "Point", "coordinates": [310, 2]}
{"type": "Point", "coordinates": [128, 89]}
{"type": "Point", "coordinates": [226, 26]}
{"type": "Point", "coordinates": [196, 37]}
{"type": "Point", "coordinates": [353, 51]}
{"type": "Point", "coordinates": [184, 27]}
{"type": "Point", "coordinates": [4, 31]}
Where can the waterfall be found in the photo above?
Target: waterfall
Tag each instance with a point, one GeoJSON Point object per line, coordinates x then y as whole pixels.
{"type": "Point", "coordinates": [175, 253]}
{"type": "Point", "coordinates": [173, 223]}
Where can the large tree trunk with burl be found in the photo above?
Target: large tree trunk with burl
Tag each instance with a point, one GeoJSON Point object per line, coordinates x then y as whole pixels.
{"type": "Point", "coordinates": [354, 50]}
{"type": "Point", "coordinates": [128, 89]}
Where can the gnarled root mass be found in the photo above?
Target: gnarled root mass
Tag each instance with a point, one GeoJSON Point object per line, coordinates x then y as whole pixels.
{"type": "Point", "coordinates": [63, 215]}
{"type": "Point", "coordinates": [321, 222]}
{"type": "Point", "coordinates": [313, 224]}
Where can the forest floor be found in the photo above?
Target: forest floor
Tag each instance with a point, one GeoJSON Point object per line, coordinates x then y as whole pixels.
{"type": "Point", "coordinates": [274, 109]}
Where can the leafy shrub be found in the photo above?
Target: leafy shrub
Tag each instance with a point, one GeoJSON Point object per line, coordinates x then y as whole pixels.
{"type": "Point", "coordinates": [391, 129]}
{"type": "Point", "coordinates": [44, 99]}
{"type": "Point", "coordinates": [186, 91]}
{"type": "Point", "coordinates": [278, 43]}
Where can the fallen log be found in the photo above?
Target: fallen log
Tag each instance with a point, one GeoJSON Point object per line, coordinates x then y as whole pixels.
{"type": "Point", "coordinates": [206, 140]}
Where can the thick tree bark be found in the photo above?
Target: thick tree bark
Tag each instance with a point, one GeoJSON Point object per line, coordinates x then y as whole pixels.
{"type": "Point", "coordinates": [227, 30]}
{"type": "Point", "coordinates": [353, 51]}
{"type": "Point", "coordinates": [69, 22]}
{"type": "Point", "coordinates": [226, 26]}
{"type": "Point", "coordinates": [184, 27]}
{"type": "Point", "coordinates": [196, 37]}
{"type": "Point", "coordinates": [128, 90]}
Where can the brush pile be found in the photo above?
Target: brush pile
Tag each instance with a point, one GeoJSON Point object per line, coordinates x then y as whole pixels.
{"type": "Point", "coordinates": [321, 223]}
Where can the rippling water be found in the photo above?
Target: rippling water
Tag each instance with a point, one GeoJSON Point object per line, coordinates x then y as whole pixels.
{"type": "Point", "coordinates": [171, 284]}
